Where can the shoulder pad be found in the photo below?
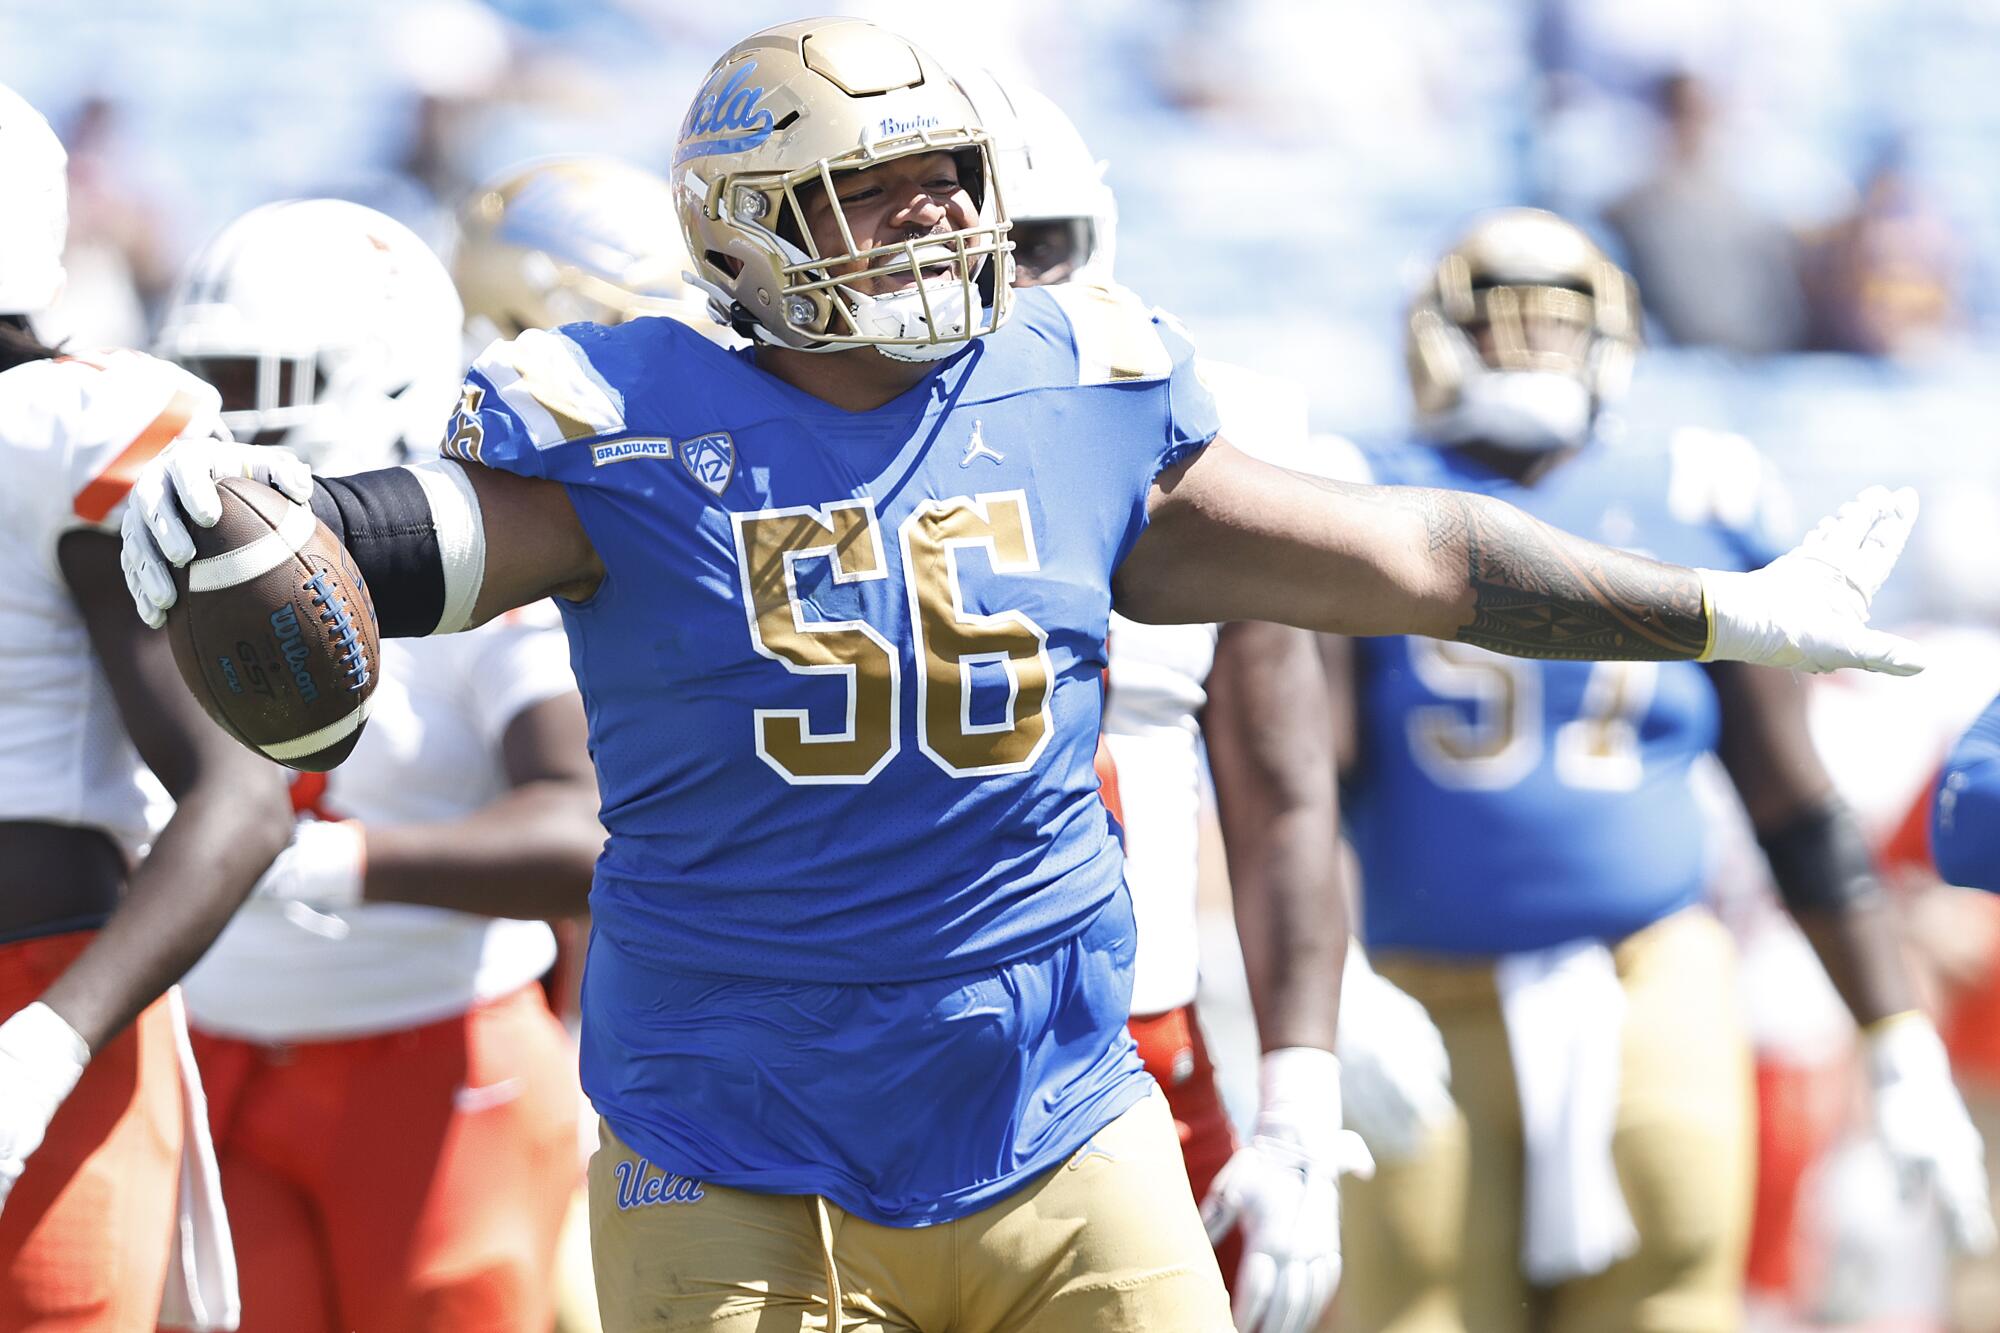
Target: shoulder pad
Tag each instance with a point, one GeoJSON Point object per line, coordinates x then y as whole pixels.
{"type": "Point", "coordinates": [1720, 477]}
{"type": "Point", "coordinates": [549, 382]}
{"type": "Point", "coordinates": [1115, 334]}
{"type": "Point", "coordinates": [97, 419]}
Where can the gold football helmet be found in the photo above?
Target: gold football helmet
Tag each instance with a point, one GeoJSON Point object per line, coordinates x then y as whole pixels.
{"type": "Point", "coordinates": [568, 239]}
{"type": "Point", "coordinates": [1523, 329]}
{"type": "Point", "coordinates": [788, 109]}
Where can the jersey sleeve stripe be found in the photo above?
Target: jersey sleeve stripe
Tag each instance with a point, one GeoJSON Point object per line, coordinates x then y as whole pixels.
{"type": "Point", "coordinates": [1114, 335]}
{"type": "Point", "coordinates": [101, 494]}
{"type": "Point", "coordinates": [549, 383]}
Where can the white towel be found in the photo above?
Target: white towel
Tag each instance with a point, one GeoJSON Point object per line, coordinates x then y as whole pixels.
{"type": "Point", "coordinates": [1565, 1017]}
{"type": "Point", "coordinates": [201, 1289]}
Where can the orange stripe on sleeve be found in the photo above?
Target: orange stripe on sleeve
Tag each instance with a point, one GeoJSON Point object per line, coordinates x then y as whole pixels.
{"type": "Point", "coordinates": [102, 493]}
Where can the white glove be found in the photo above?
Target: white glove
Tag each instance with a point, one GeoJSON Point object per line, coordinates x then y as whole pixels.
{"type": "Point", "coordinates": [1283, 1188]}
{"type": "Point", "coordinates": [155, 537]}
{"type": "Point", "coordinates": [1923, 1123]}
{"type": "Point", "coordinates": [1395, 1078]}
{"type": "Point", "coordinates": [323, 866]}
{"type": "Point", "coordinates": [1808, 609]}
{"type": "Point", "coordinates": [41, 1058]}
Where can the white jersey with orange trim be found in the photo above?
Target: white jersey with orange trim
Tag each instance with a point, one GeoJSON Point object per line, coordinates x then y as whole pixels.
{"type": "Point", "coordinates": [73, 433]}
{"type": "Point", "coordinates": [1158, 687]}
{"type": "Point", "coordinates": [283, 971]}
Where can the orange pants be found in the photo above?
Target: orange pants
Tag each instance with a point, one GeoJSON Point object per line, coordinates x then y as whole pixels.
{"type": "Point", "coordinates": [411, 1182]}
{"type": "Point", "coordinates": [1801, 1111]}
{"type": "Point", "coordinates": [84, 1236]}
{"type": "Point", "coordinates": [1170, 1044]}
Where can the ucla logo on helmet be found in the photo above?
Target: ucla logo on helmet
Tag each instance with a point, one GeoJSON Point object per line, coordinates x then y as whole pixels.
{"type": "Point", "coordinates": [725, 117]}
{"type": "Point", "coordinates": [710, 459]}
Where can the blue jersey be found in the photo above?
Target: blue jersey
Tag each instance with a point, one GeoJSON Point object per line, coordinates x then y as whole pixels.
{"type": "Point", "coordinates": [1502, 804]}
{"type": "Point", "coordinates": [859, 924]}
{"type": "Point", "coordinates": [1965, 821]}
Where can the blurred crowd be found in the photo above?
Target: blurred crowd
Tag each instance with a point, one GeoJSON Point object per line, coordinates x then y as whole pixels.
{"type": "Point", "coordinates": [1801, 189]}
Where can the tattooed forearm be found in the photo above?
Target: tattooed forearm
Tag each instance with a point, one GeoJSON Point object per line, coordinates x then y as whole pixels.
{"type": "Point", "coordinates": [1539, 592]}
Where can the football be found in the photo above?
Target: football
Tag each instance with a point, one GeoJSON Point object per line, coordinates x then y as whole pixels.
{"type": "Point", "coordinates": [274, 630]}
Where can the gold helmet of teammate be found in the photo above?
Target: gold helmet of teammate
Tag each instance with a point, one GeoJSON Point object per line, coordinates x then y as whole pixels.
{"type": "Point", "coordinates": [781, 116]}
{"type": "Point", "coordinates": [1522, 330]}
{"type": "Point", "coordinates": [572, 238]}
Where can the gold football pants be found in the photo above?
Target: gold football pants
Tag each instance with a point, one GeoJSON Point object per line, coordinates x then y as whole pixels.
{"type": "Point", "coordinates": [1433, 1244]}
{"type": "Point", "coordinates": [1109, 1242]}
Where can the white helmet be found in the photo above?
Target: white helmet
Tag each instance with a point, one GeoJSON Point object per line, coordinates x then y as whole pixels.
{"type": "Point", "coordinates": [569, 239]}
{"type": "Point", "coordinates": [328, 327]}
{"type": "Point", "coordinates": [1065, 217]}
{"type": "Point", "coordinates": [34, 224]}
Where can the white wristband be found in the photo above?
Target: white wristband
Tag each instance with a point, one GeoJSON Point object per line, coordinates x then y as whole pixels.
{"type": "Point", "coordinates": [42, 1040]}
{"type": "Point", "coordinates": [325, 865]}
{"type": "Point", "coordinates": [1738, 628]}
{"type": "Point", "coordinates": [1903, 1045]}
{"type": "Point", "coordinates": [1296, 1081]}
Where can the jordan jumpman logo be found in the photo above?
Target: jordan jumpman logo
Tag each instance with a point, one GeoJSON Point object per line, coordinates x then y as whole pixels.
{"type": "Point", "coordinates": [976, 447]}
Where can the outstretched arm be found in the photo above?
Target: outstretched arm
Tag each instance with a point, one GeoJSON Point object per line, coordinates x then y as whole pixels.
{"type": "Point", "coordinates": [1232, 538]}
{"type": "Point", "coordinates": [443, 546]}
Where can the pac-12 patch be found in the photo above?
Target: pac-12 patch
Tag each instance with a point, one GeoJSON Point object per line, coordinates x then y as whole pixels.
{"type": "Point", "coordinates": [710, 459]}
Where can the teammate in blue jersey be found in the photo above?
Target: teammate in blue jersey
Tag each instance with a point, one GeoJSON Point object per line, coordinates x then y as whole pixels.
{"type": "Point", "coordinates": [1532, 860]}
{"type": "Point", "coordinates": [1965, 822]}
{"type": "Point", "coordinates": [854, 1008]}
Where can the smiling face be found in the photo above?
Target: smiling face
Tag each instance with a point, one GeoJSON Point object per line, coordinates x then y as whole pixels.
{"type": "Point", "coordinates": [903, 199]}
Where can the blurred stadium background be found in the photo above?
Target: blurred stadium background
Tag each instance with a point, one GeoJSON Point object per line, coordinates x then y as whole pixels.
{"type": "Point", "coordinates": [1806, 191]}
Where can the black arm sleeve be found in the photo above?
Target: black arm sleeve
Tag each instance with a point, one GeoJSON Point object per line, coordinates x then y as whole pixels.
{"type": "Point", "coordinates": [1820, 860]}
{"type": "Point", "coordinates": [384, 520]}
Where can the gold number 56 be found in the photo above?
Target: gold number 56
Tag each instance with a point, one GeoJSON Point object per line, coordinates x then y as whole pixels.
{"type": "Point", "coordinates": [950, 640]}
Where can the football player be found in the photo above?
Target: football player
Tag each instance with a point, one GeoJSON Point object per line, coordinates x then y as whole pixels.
{"type": "Point", "coordinates": [1532, 863]}
{"type": "Point", "coordinates": [93, 1107]}
{"type": "Point", "coordinates": [394, 1104]}
{"type": "Point", "coordinates": [1251, 695]}
{"type": "Point", "coordinates": [861, 955]}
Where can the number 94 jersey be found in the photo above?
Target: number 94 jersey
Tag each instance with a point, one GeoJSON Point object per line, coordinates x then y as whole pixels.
{"type": "Point", "coordinates": [1501, 804]}
{"type": "Point", "coordinates": [843, 670]}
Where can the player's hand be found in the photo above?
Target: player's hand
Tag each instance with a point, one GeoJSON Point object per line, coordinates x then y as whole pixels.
{"type": "Point", "coordinates": [41, 1058]}
{"type": "Point", "coordinates": [1282, 1188]}
{"type": "Point", "coordinates": [1395, 1078]}
{"type": "Point", "coordinates": [1808, 609]}
{"type": "Point", "coordinates": [1924, 1125]}
{"type": "Point", "coordinates": [323, 866]}
{"type": "Point", "coordinates": [182, 480]}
